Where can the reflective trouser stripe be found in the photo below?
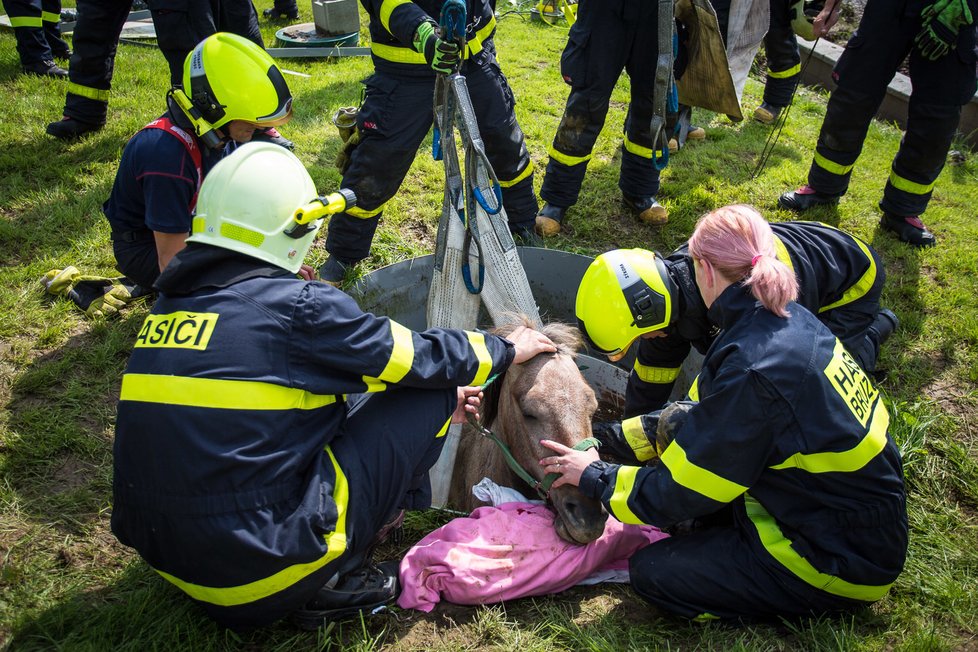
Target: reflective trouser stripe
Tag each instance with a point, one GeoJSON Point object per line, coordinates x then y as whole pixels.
{"type": "Point", "coordinates": [656, 375]}
{"type": "Point", "coordinates": [229, 596]}
{"type": "Point", "coordinates": [87, 91]}
{"type": "Point", "coordinates": [860, 287]}
{"type": "Point", "coordinates": [829, 166]}
{"type": "Point", "coordinates": [624, 483]}
{"type": "Point", "coordinates": [527, 171]}
{"type": "Point", "coordinates": [567, 159]}
{"type": "Point", "coordinates": [637, 440]}
{"type": "Point", "coordinates": [50, 17]}
{"type": "Point", "coordinates": [780, 548]}
{"type": "Point", "coordinates": [639, 150]}
{"type": "Point", "coordinates": [696, 478]}
{"type": "Point", "coordinates": [219, 394]}
{"type": "Point", "coordinates": [912, 187]}
{"type": "Point", "coordinates": [846, 461]}
{"type": "Point", "coordinates": [26, 21]}
{"type": "Point", "coordinates": [784, 74]}
{"type": "Point", "coordinates": [363, 214]}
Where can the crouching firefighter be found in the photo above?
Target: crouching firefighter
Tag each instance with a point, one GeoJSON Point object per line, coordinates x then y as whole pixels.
{"type": "Point", "coordinates": [785, 456]}
{"type": "Point", "coordinates": [267, 428]}
{"type": "Point", "coordinates": [231, 87]}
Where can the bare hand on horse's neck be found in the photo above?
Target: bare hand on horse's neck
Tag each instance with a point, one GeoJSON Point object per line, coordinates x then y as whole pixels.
{"type": "Point", "coordinates": [528, 343]}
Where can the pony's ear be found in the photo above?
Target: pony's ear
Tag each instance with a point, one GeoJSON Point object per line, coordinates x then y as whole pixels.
{"type": "Point", "coordinates": [490, 400]}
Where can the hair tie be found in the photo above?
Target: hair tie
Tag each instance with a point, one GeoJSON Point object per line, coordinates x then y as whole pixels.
{"type": "Point", "coordinates": [753, 261]}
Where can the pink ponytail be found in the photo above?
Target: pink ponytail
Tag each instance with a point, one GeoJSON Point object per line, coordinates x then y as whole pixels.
{"type": "Point", "coordinates": [739, 243]}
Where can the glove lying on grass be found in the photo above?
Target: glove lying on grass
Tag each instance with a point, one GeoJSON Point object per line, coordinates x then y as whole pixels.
{"type": "Point", "coordinates": [96, 296]}
{"type": "Point", "coordinates": [941, 22]}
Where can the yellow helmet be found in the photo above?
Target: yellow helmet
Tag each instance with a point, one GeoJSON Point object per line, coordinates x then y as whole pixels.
{"type": "Point", "coordinates": [227, 77]}
{"type": "Point", "coordinates": [248, 201]}
{"type": "Point", "coordinates": [623, 294]}
{"type": "Point", "coordinates": [802, 14]}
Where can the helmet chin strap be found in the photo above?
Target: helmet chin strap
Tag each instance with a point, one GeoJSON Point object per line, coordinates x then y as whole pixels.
{"type": "Point", "coordinates": [209, 135]}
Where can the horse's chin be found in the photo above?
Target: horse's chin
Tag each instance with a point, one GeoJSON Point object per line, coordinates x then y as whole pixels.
{"type": "Point", "coordinates": [573, 536]}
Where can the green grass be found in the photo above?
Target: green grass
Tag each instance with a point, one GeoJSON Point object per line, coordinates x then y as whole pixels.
{"type": "Point", "coordinates": [65, 583]}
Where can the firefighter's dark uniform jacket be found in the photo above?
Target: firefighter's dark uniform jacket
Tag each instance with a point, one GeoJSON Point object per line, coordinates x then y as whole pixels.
{"type": "Point", "coordinates": [608, 37]}
{"type": "Point", "coordinates": [790, 431]}
{"type": "Point", "coordinates": [840, 278]}
{"type": "Point", "coordinates": [228, 480]}
{"type": "Point", "coordinates": [883, 40]}
{"type": "Point", "coordinates": [397, 115]}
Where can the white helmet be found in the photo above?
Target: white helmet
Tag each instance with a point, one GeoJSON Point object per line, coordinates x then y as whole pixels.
{"type": "Point", "coordinates": [248, 202]}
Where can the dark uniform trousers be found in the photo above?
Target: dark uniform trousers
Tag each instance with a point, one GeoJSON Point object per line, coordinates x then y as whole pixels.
{"type": "Point", "coordinates": [35, 24]}
{"type": "Point", "coordinates": [182, 24]}
{"type": "Point", "coordinates": [783, 58]}
{"type": "Point", "coordinates": [395, 118]}
{"type": "Point", "coordinates": [882, 41]}
{"type": "Point", "coordinates": [95, 40]}
{"type": "Point", "coordinates": [608, 37]}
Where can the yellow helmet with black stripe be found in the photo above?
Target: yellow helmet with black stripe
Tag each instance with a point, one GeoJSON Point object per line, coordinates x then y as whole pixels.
{"type": "Point", "coordinates": [624, 293]}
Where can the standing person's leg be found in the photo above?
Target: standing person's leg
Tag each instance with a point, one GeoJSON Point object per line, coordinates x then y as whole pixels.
{"type": "Point", "coordinates": [28, 19]}
{"type": "Point", "coordinates": [395, 117]}
{"type": "Point", "coordinates": [872, 55]}
{"type": "Point", "coordinates": [95, 40]}
{"type": "Point", "coordinates": [783, 64]}
{"type": "Point", "coordinates": [240, 17]}
{"type": "Point", "coordinates": [494, 105]}
{"type": "Point", "coordinates": [180, 26]}
{"type": "Point", "coordinates": [940, 89]}
{"type": "Point", "coordinates": [51, 19]}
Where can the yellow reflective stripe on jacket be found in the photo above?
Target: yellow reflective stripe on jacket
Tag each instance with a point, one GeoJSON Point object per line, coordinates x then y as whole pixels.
{"type": "Point", "coordinates": [229, 596]}
{"type": "Point", "coordinates": [400, 362]}
{"type": "Point", "coordinates": [696, 478]}
{"type": "Point", "coordinates": [782, 253]}
{"type": "Point", "coordinates": [478, 342]}
{"type": "Point", "coordinates": [364, 214]}
{"type": "Point", "coordinates": [219, 394]}
{"type": "Point", "coordinates": [96, 94]}
{"type": "Point", "coordinates": [780, 548]}
{"type": "Point", "coordinates": [845, 461]}
{"type": "Point", "coordinates": [862, 286]}
{"type": "Point", "coordinates": [637, 440]}
{"type": "Point", "coordinates": [567, 159]}
{"type": "Point", "coordinates": [829, 166]}
{"type": "Point", "coordinates": [444, 429]}
{"type": "Point", "coordinates": [527, 171]}
{"type": "Point", "coordinates": [50, 17]}
{"type": "Point", "coordinates": [657, 375]}
{"type": "Point", "coordinates": [694, 389]}
{"type": "Point", "coordinates": [784, 74]}
{"type": "Point", "coordinates": [397, 53]}
{"type": "Point", "coordinates": [387, 7]}
{"type": "Point", "coordinates": [26, 21]}
{"type": "Point", "coordinates": [624, 483]}
{"type": "Point", "coordinates": [906, 185]}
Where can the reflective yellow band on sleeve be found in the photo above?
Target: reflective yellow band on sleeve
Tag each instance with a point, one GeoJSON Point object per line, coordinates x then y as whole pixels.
{"type": "Point", "coordinates": [637, 440]}
{"type": "Point", "coordinates": [50, 17]}
{"type": "Point", "coordinates": [478, 342]}
{"type": "Point", "coordinates": [831, 167]}
{"type": "Point", "coordinates": [444, 429]}
{"type": "Point", "coordinates": [862, 286]}
{"type": "Point", "coordinates": [782, 253]}
{"type": "Point", "coordinates": [387, 7]}
{"type": "Point", "coordinates": [219, 394]}
{"type": "Point", "coordinates": [780, 548]}
{"type": "Point", "coordinates": [96, 94]}
{"type": "Point", "coordinates": [402, 354]}
{"type": "Point", "coordinates": [624, 482]}
{"type": "Point", "coordinates": [906, 185]}
{"type": "Point", "coordinates": [359, 213]}
{"type": "Point", "coordinates": [26, 21]}
{"type": "Point", "coordinates": [694, 389]}
{"type": "Point", "coordinates": [784, 74]}
{"type": "Point", "coordinates": [696, 478]}
{"type": "Point", "coordinates": [656, 375]}
{"type": "Point", "coordinates": [845, 461]}
{"type": "Point", "coordinates": [474, 45]}
{"type": "Point", "coordinates": [396, 54]}
{"type": "Point", "coordinates": [567, 159]}
{"type": "Point", "coordinates": [508, 183]}
{"type": "Point", "coordinates": [230, 596]}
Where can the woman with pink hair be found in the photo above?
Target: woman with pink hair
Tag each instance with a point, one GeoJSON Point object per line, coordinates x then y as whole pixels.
{"type": "Point", "coordinates": [783, 458]}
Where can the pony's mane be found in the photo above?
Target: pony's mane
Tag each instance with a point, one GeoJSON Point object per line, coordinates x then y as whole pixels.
{"type": "Point", "coordinates": [567, 338]}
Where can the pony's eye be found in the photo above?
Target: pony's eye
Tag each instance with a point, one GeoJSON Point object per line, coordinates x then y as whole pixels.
{"type": "Point", "coordinates": [529, 417]}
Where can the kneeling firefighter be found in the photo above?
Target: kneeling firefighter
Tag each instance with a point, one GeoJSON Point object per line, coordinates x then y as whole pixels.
{"type": "Point", "coordinates": [268, 428]}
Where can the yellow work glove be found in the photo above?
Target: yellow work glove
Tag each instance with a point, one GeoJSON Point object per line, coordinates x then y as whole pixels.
{"type": "Point", "coordinates": [59, 281]}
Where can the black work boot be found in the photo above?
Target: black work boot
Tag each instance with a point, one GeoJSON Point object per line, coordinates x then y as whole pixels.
{"type": "Point", "coordinates": [275, 14]}
{"type": "Point", "coordinates": [804, 198]}
{"type": "Point", "coordinates": [46, 68]}
{"type": "Point", "coordinates": [909, 229]}
{"type": "Point", "coordinates": [885, 323]}
{"type": "Point", "coordinates": [67, 128]}
{"type": "Point", "coordinates": [359, 591]}
{"type": "Point", "coordinates": [767, 113]}
{"type": "Point", "coordinates": [525, 235]}
{"type": "Point", "coordinates": [334, 270]}
{"type": "Point", "coordinates": [549, 220]}
{"type": "Point", "coordinates": [647, 209]}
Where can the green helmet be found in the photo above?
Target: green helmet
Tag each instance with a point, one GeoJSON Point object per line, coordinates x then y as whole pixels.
{"type": "Point", "coordinates": [227, 77]}
{"type": "Point", "coordinates": [623, 294]}
{"type": "Point", "coordinates": [802, 14]}
{"type": "Point", "coordinates": [248, 201]}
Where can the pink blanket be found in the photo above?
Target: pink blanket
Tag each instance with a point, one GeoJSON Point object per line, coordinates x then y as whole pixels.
{"type": "Point", "coordinates": [506, 552]}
